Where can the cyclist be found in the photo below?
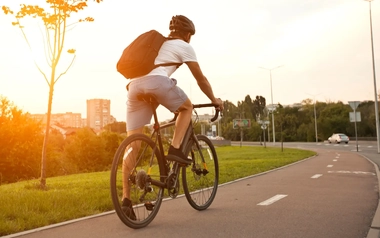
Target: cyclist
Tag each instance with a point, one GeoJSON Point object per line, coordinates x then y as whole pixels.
{"type": "Point", "coordinates": [166, 92]}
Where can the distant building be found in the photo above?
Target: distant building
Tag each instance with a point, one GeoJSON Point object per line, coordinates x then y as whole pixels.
{"type": "Point", "coordinates": [67, 119]}
{"type": "Point", "coordinates": [200, 117]}
{"type": "Point", "coordinates": [84, 122]}
{"type": "Point", "coordinates": [299, 105]}
{"type": "Point", "coordinates": [98, 113]}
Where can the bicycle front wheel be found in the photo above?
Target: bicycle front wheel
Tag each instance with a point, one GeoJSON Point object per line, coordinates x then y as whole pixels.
{"type": "Point", "coordinates": [200, 181]}
{"type": "Point", "coordinates": [136, 163]}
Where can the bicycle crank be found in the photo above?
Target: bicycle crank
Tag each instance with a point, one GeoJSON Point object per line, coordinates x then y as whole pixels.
{"type": "Point", "coordinates": [149, 206]}
{"type": "Point", "coordinates": [172, 185]}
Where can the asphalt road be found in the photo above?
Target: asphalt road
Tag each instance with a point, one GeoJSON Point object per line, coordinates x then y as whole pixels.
{"type": "Point", "coordinates": [334, 194]}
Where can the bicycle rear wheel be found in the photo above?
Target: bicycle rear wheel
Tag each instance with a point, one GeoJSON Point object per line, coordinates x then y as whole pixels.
{"type": "Point", "coordinates": [146, 164]}
{"type": "Point", "coordinates": [200, 181]}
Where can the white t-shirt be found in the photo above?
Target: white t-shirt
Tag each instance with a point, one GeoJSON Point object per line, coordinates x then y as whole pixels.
{"type": "Point", "coordinates": [173, 51]}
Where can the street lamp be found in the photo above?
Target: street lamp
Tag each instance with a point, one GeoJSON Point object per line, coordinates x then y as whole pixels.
{"type": "Point", "coordinates": [271, 93]}
{"type": "Point", "coordinates": [374, 78]}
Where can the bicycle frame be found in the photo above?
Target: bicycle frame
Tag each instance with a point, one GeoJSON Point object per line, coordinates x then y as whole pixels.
{"type": "Point", "coordinates": [189, 135]}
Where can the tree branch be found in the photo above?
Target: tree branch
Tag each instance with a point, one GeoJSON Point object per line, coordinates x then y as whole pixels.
{"type": "Point", "coordinates": [39, 69]}
{"type": "Point", "coordinates": [72, 61]}
{"type": "Point", "coordinates": [46, 53]}
{"type": "Point", "coordinates": [48, 42]}
{"type": "Point", "coordinates": [30, 48]}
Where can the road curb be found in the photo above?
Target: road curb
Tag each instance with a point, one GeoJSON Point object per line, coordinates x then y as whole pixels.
{"type": "Point", "coordinates": [374, 230]}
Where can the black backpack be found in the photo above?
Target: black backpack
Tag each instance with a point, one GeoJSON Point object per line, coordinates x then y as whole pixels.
{"type": "Point", "coordinates": [138, 58]}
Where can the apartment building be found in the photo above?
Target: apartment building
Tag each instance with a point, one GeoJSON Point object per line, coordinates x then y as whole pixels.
{"type": "Point", "coordinates": [98, 113]}
{"type": "Point", "coordinates": [67, 119]}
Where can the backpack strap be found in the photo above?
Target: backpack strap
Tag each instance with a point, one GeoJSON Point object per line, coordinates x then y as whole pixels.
{"type": "Point", "coordinates": [169, 64]}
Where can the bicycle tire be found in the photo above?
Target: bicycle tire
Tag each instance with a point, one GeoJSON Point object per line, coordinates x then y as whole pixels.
{"type": "Point", "coordinates": [148, 159]}
{"type": "Point", "coordinates": [199, 188]}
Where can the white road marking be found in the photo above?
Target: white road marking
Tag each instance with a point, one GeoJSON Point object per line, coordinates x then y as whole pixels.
{"type": "Point", "coordinates": [330, 165]}
{"type": "Point", "coordinates": [351, 172]}
{"type": "Point", "coordinates": [316, 176]}
{"type": "Point", "coordinates": [346, 145]}
{"type": "Point", "coordinates": [272, 200]}
{"type": "Point", "coordinates": [335, 160]}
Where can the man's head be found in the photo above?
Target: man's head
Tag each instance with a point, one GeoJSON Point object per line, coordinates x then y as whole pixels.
{"type": "Point", "coordinates": [181, 26]}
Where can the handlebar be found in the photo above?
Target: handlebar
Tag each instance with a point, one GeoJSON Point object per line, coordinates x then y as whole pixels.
{"type": "Point", "coordinates": [217, 111]}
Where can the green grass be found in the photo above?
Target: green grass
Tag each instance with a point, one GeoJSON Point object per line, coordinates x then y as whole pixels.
{"type": "Point", "coordinates": [24, 206]}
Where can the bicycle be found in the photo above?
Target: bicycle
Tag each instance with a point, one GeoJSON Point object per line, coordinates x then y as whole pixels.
{"type": "Point", "coordinates": [152, 173]}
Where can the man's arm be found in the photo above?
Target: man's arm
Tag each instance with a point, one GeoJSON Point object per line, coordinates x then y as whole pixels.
{"type": "Point", "coordinates": [203, 83]}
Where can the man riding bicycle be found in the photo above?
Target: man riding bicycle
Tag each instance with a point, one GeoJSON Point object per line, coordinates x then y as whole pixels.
{"type": "Point", "coordinates": [166, 92]}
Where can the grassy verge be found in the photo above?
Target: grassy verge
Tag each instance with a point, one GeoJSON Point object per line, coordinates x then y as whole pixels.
{"type": "Point", "coordinates": [23, 206]}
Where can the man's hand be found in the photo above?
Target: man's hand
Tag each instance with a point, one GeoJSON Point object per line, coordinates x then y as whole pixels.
{"type": "Point", "coordinates": [219, 102]}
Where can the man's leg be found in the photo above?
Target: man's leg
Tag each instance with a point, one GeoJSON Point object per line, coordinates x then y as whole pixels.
{"type": "Point", "coordinates": [182, 123]}
{"type": "Point", "coordinates": [129, 161]}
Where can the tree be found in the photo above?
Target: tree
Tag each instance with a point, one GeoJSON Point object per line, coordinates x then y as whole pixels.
{"type": "Point", "coordinates": [55, 22]}
{"type": "Point", "coordinates": [86, 152]}
{"type": "Point", "coordinates": [19, 150]}
{"type": "Point", "coordinates": [258, 107]}
{"type": "Point", "coordinates": [118, 127]}
{"type": "Point", "coordinates": [334, 118]}
{"type": "Point", "coordinates": [112, 141]}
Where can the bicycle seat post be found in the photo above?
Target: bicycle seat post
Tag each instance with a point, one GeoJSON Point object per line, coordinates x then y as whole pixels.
{"type": "Point", "coordinates": [156, 125]}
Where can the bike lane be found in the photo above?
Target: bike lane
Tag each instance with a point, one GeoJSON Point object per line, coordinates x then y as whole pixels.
{"type": "Point", "coordinates": [334, 194]}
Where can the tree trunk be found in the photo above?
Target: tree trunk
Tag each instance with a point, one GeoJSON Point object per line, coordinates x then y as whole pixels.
{"type": "Point", "coordinates": [46, 138]}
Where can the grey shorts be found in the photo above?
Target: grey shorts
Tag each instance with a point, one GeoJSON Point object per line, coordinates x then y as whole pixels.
{"type": "Point", "coordinates": [166, 92]}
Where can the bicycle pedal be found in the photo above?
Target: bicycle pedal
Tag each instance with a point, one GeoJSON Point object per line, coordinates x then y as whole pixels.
{"type": "Point", "coordinates": [205, 171]}
{"type": "Point", "coordinates": [149, 206]}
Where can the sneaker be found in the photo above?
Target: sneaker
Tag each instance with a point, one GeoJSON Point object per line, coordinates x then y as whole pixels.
{"type": "Point", "coordinates": [177, 156]}
{"type": "Point", "coordinates": [128, 209]}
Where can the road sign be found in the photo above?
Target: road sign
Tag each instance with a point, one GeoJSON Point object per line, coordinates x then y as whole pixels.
{"type": "Point", "coordinates": [241, 123]}
{"type": "Point", "coordinates": [266, 122]}
{"type": "Point", "coordinates": [354, 104]}
{"type": "Point", "coordinates": [263, 127]}
{"type": "Point", "coordinates": [358, 117]}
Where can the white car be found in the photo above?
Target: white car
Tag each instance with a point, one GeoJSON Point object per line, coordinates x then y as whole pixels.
{"type": "Point", "coordinates": [338, 137]}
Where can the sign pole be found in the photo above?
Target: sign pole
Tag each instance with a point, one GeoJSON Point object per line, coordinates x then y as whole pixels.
{"type": "Point", "coordinates": [265, 145]}
{"type": "Point", "coordinates": [354, 105]}
{"type": "Point", "coordinates": [241, 136]}
{"type": "Point", "coordinates": [356, 132]}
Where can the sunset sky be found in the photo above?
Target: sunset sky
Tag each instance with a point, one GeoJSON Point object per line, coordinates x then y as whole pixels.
{"type": "Point", "coordinates": [323, 46]}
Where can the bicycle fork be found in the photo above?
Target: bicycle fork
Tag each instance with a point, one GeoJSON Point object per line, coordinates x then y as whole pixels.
{"type": "Point", "coordinates": [196, 168]}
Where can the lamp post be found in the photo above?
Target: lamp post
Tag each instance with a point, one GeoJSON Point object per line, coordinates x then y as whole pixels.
{"type": "Point", "coordinates": [271, 93]}
{"type": "Point", "coordinates": [374, 78]}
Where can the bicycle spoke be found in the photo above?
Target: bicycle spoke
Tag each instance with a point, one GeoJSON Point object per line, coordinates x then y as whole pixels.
{"type": "Point", "coordinates": [200, 181]}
